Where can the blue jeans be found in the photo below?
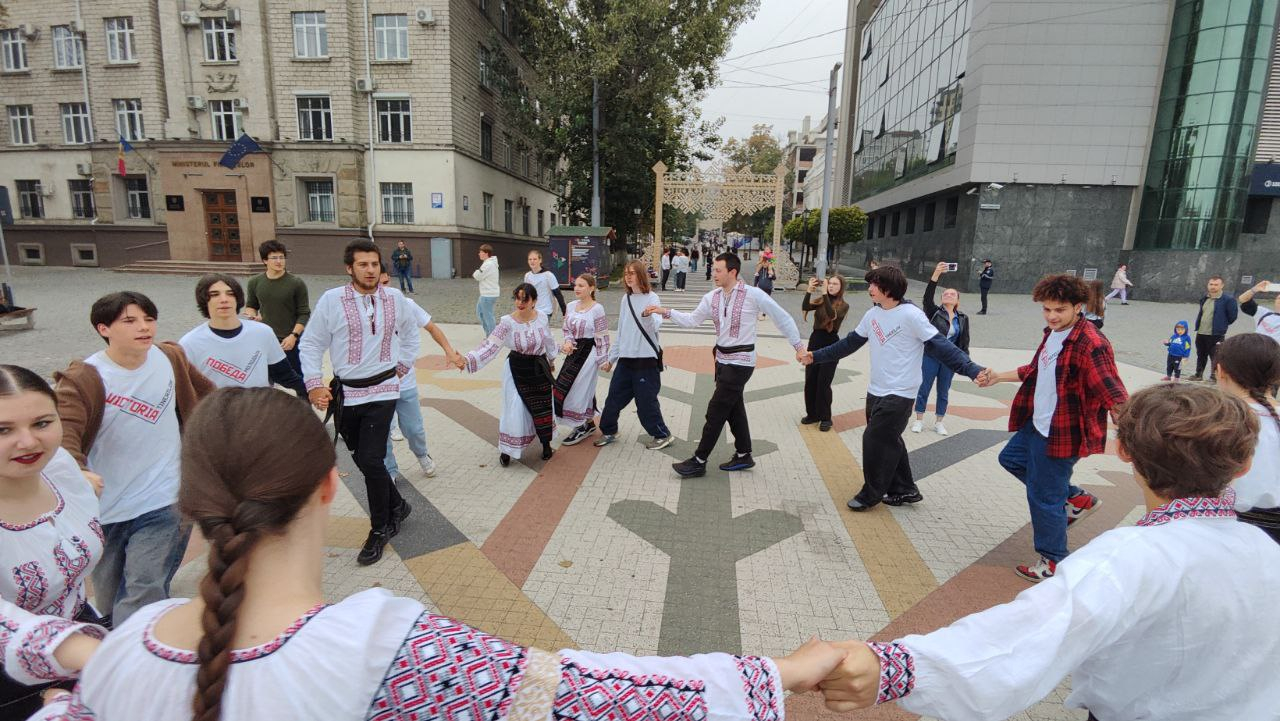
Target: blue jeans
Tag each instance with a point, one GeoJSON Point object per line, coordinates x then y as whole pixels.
{"type": "Point", "coordinates": [484, 310]}
{"type": "Point", "coordinates": [932, 369]}
{"type": "Point", "coordinates": [404, 274]}
{"type": "Point", "coordinates": [409, 413]}
{"type": "Point", "coordinates": [632, 382]}
{"type": "Point", "coordinates": [1048, 482]}
{"type": "Point", "coordinates": [139, 558]}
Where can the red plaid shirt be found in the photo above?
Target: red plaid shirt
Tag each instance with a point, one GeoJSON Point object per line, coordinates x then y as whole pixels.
{"type": "Point", "coordinates": [1088, 386]}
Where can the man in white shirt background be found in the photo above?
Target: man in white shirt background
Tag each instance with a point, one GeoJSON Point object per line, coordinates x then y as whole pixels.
{"type": "Point", "coordinates": [487, 276]}
{"type": "Point", "coordinates": [734, 307]}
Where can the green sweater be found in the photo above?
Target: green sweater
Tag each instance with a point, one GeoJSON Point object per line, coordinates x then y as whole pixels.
{"type": "Point", "coordinates": [281, 302]}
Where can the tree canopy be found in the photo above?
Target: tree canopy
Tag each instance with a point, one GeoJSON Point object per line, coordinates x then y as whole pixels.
{"type": "Point", "coordinates": [761, 152]}
{"type": "Point", "coordinates": [844, 225]}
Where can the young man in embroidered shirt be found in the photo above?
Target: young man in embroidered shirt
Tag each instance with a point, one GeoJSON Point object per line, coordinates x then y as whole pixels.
{"type": "Point", "coordinates": [232, 353]}
{"type": "Point", "coordinates": [900, 334]}
{"type": "Point", "coordinates": [1172, 619]}
{"type": "Point", "coordinates": [734, 308]}
{"type": "Point", "coordinates": [279, 299]}
{"type": "Point", "coordinates": [362, 325]}
{"type": "Point", "coordinates": [1059, 416]}
{"type": "Point", "coordinates": [122, 411]}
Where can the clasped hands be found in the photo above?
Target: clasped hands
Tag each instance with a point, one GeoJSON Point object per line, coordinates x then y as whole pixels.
{"type": "Point", "coordinates": [846, 672]}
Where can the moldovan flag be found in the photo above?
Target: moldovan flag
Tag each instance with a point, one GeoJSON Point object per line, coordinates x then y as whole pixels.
{"type": "Point", "coordinates": [125, 147]}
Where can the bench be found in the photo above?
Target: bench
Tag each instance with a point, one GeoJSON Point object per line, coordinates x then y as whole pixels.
{"type": "Point", "coordinates": [24, 319]}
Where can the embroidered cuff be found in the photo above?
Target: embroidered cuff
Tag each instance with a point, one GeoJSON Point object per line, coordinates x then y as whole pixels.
{"type": "Point", "coordinates": [55, 710]}
{"type": "Point", "coordinates": [30, 657]}
{"type": "Point", "coordinates": [798, 345]}
{"type": "Point", "coordinates": [897, 671]}
{"type": "Point", "coordinates": [471, 363]}
{"type": "Point", "coordinates": [402, 370]}
{"type": "Point", "coordinates": [313, 383]}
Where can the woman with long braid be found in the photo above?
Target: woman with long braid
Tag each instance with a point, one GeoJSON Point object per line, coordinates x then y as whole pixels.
{"type": "Point", "coordinates": [261, 490]}
{"type": "Point", "coordinates": [585, 349]}
{"type": "Point", "coordinates": [1248, 368]}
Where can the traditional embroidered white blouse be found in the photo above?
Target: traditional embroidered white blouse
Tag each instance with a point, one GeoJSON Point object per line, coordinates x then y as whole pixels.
{"type": "Point", "coordinates": [378, 657]}
{"type": "Point", "coordinates": [734, 315]}
{"type": "Point", "coordinates": [529, 338]}
{"type": "Point", "coordinates": [44, 563]}
{"type": "Point", "coordinates": [28, 642]}
{"type": "Point", "coordinates": [592, 323]}
{"type": "Point", "coordinates": [1174, 619]}
{"type": "Point", "coordinates": [361, 333]}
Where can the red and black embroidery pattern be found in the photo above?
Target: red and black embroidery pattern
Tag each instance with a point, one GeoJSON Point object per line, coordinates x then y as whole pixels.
{"type": "Point", "coordinates": [591, 693]}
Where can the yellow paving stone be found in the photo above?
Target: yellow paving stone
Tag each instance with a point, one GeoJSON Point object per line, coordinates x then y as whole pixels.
{"type": "Point", "coordinates": [346, 532]}
{"type": "Point", "coordinates": [900, 576]}
{"type": "Point", "coordinates": [465, 585]}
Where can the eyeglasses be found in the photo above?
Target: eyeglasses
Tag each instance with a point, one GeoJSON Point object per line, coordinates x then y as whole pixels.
{"type": "Point", "coordinates": [275, 257]}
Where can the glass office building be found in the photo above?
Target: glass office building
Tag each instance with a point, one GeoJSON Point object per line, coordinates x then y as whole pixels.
{"type": "Point", "coordinates": [1197, 179]}
{"type": "Point", "coordinates": [910, 92]}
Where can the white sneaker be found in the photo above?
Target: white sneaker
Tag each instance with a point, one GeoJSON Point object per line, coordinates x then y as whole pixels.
{"type": "Point", "coordinates": [428, 466]}
{"type": "Point", "coordinates": [659, 443]}
{"type": "Point", "coordinates": [917, 426]}
{"type": "Point", "coordinates": [940, 429]}
{"type": "Point", "coordinates": [396, 435]}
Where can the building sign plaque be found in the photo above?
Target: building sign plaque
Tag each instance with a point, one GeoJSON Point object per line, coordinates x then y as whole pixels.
{"type": "Point", "coordinates": [1265, 179]}
{"type": "Point", "coordinates": [259, 204]}
{"type": "Point", "coordinates": [174, 203]}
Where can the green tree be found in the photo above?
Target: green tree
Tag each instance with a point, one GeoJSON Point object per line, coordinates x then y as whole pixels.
{"type": "Point", "coordinates": [653, 60]}
{"type": "Point", "coordinates": [844, 225]}
{"type": "Point", "coordinates": [761, 153]}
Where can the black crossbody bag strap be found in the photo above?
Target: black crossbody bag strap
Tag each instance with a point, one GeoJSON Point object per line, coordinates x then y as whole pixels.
{"type": "Point", "coordinates": [661, 366]}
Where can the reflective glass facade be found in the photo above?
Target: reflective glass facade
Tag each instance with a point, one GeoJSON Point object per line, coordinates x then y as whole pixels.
{"type": "Point", "coordinates": [1197, 180]}
{"type": "Point", "coordinates": [910, 87]}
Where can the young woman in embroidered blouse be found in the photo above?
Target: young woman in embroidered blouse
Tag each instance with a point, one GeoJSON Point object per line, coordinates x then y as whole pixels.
{"type": "Point", "coordinates": [50, 537]}
{"type": "Point", "coordinates": [527, 376]}
{"type": "Point", "coordinates": [586, 348]}
{"type": "Point", "coordinates": [261, 490]}
{"type": "Point", "coordinates": [1248, 368]}
{"type": "Point", "coordinates": [545, 282]}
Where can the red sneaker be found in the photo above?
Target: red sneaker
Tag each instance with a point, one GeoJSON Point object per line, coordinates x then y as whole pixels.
{"type": "Point", "coordinates": [1081, 505]}
{"type": "Point", "coordinates": [1042, 569]}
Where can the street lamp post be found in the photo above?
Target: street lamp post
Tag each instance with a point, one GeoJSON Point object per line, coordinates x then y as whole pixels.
{"type": "Point", "coordinates": [828, 161]}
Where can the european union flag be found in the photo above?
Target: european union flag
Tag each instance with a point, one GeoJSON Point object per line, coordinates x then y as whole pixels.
{"type": "Point", "coordinates": [242, 147]}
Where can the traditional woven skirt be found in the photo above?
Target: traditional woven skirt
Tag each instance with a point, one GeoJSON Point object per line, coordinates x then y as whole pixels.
{"type": "Point", "coordinates": [574, 394]}
{"type": "Point", "coordinates": [529, 412]}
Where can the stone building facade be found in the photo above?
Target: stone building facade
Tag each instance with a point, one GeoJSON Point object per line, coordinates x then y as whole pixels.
{"type": "Point", "coordinates": [377, 118]}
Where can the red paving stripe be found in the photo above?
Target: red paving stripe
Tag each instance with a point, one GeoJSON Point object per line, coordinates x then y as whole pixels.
{"type": "Point", "coordinates": [699, 359]}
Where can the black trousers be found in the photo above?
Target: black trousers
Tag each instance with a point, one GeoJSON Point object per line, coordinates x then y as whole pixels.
{"type": "Point", "coordinates": [666, 273]}
{"type": "Point", "coordinates": [1206, 349]}
{"type": "Point", "coordinates": [985, 290]}
{"type": "Point", "coordinates": [1267, 519]}
{"type": "Point", "coordinates": [818, 378]}
{"type": "Point", "coordinates": [727, 405]}
{"type": "Point", "coordinates": [1173, 366]}
{"type": "Point", "coordinates": [884, 454]}
{"type": "Point", "coordinates": [365, 429]}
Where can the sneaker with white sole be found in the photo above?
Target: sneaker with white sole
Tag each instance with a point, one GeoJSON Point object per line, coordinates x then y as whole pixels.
{"type": "Point", "coordinates": [428, 466]}
{"type": "Point", "coordinates": [1081, 505]}
{"type": "Point", "coordinates": [658, 444]}
{"type": "Point", "coordinates": [1039, 571]}
{"type": "Point", "coordinates": [917, 426]}
{"type": "Point", "coordinates": [578, 434]}
{"type": "Point", "coordinates": [940, 429]}
{"type": "Point", "coordinates": [605, 440]}
{"type": "Point", "coordinates": [396, 435]}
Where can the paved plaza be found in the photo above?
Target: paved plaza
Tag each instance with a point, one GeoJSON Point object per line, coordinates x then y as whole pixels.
{"type": "Point", "coordinates": [607, 549]}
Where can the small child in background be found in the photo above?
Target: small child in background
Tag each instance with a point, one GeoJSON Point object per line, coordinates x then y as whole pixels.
{"type": "Point", "coordinates": [1179, 347]}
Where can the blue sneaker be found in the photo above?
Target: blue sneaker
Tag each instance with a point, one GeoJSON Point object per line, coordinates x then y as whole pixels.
{"type": "Point", "coordinates": [738, 463]}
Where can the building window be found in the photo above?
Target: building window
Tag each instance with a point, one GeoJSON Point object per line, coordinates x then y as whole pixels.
{"type": "Point", "coordinates": [508, 210]}
{"type": "Point", "coordinates": [129, 118]}
{"type": "Point", "coordinates": [524, 220]}
{"type": "Point", "coordinates": [225, 116]}
{"type": "Point", "coordinates": [14, 48]}
{"type": "Point", "coordinates": [486, 68]}
{"type": "Point", "coordinates": [541, 226]}
{"type": "Point", "coordinates": [524, 162]}
{"type": "Point", "coordinates": [484, 6]}
{"type": "Point", "coordinates": [488, 211]}
{"type": "Point", "coordinates": [507, 150]}
{"type": "Point", "coordinates": [911, 220]}
{"type": "Point", "coordinates": [75, 123]}
{"type": "Point", "coordinates": [1257, 214]}
{"type": "Point", "coordinates": [219, 41]}
{"type": "Point", "coordinates": [553, 220]}
{"type": "Point", "coordinates": [949, 215]}
{"type": "Point", "coordinates": [929, 210]}
{"type": "Point", "coordinates": [391, 37]}
{"type": "Point", "coordinates": [137, 199]}
{"type": "Point", "coordinates": [81, 198]}
{"type": "Point", "coordinates": [315, 118]}
{"type": "Point", "coordinates": [119, 40]}
{"type": "Point", "coordinates": [30, 203]}
{"type": "Point", "coordinates": [884, 220]}
{"type": "Point", "coordinates": [22, 125]}
{"type": "Point", "coordinates": [310, 35]}
{"type": "Point", "coordinates": [893, 222]}
{"type": "Point", "coordinates": [68, 50]}
{"type": "Point", "coordinates": [486, 140]}
{"type": "Point", "coordinates": [319, 201]}
{"type": "Point", "coordinates": [397, 203]}
{"type": "Point", "coordinates": [504, 17]}
{"type": "Point", "coordinates": [395, 121]}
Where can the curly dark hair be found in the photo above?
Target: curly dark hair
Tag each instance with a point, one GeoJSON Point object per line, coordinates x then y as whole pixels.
{"type": "Point", "coordinates": [889, 279]}
{"type": "Point", "coordinates": [1061, 287]}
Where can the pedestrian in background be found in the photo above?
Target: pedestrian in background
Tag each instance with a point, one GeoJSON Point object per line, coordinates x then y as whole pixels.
{"type": "Point", "coordinates": [1179, 345]}
{"type": "Point", "coordinates": [487, 276]}
{"type": "Point", "coordinates": [402, 261]}
{"type": "Point", "coordinates": [1120, 285]}
{"type": "Point", "coordinates": [1248, 368]}
{"type": "Point", "coordinates": [826, 300]}
{"type": "Point", "coordinates": [1265, 321]}
{"type": "Point", "coordinates": [952, 323]}
{"type": "Point", "coordinates": [1095, 309]}
{"type": "Point", "coordinates": [985, 277]}
{"type": "Point", "coordinates": [693, 259]}
{"type": "Point", "coordinates": [279, 299]}
{"type": "Point", "coordinates": [1218, 311]}
{"type": "Point", "coordinates": [680, 265]}
{"type": "Point", "coordinates": [666, 267]}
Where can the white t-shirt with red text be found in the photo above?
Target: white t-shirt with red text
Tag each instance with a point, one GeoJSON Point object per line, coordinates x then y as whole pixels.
{"type": "Point", "coordinates": [238, 362]}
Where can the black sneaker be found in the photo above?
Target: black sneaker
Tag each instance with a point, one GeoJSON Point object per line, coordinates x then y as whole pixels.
{"type": "Point", "coordinates": [1197, 378]}
{"type": "Point", "coordinates": [504, 459]}
{"type": "Point", "coordinates": [397, 517]}
{"type": "Point", "coordinates": [691, 468]}
{"type": "Point", "coordinates": [374, 545]}
{"type": "Point", "coordinates": [547, 452]}
{"type": "Point", "coordinates": [808, 421]}
{"type": "Point", "coordinates": [738, 463]}
{"type": "Point", "coordinates": [900, 499]}
{"type": "Point", "coordinates": [578, 434]}
{"type": "Point", "coordinates": [824, 426]}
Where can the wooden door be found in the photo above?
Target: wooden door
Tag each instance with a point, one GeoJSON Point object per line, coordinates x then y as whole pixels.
{"type": "Point", "coordinates": [222, 225]}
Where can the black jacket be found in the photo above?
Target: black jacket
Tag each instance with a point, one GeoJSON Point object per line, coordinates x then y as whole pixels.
{"type": "Point", "coordinates": [938, 317]}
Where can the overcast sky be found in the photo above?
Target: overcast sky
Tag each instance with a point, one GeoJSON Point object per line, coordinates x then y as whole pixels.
{"type": "Point", "coordinates": [778, 21]}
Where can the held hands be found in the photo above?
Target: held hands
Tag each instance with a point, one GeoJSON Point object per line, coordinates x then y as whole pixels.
{"type": "Point", "coordinates": [807, 667]}
{"type": "Point", "coordinates": [320, 397]}
{"type": "Point", "coordinates": [456, 360]}
{"type": "Point", "coordinates": [654, 309]}
{"type": "Point", "coordinates": [805, 357]}
{"type": "Point", "coordinates": [606, 366]}
{"type": "Point", "coordinates": [855, 683]}
{"type": "Point", "coordinates": [567, 347]}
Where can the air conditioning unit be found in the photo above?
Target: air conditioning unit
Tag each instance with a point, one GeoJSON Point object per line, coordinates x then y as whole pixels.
{"type": "Point", "coordinates": [425, 16]}
{"type": "Point", "coordinates": [30, 32]}
{"type": "Point", "coordinates": [189, 19]}
{"type": "Point", "coordinates": [233, 16]}
{"type": "Point", "coordinates": [46, 191]}
{"type": "Point", "coordinates": [84, 168]}
{"type": "Point", "coordinates": [365, 85]}
{"type": "Point", "coordinates": [195, 102]}
{"type": "Point", "coordinates": [241, 103]}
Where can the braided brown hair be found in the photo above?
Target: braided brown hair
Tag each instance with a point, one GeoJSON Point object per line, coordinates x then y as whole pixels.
{"type": "Point", "coordinates": [251, 459]}
{"type": "Point", "coordinates": [1252, 360]}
